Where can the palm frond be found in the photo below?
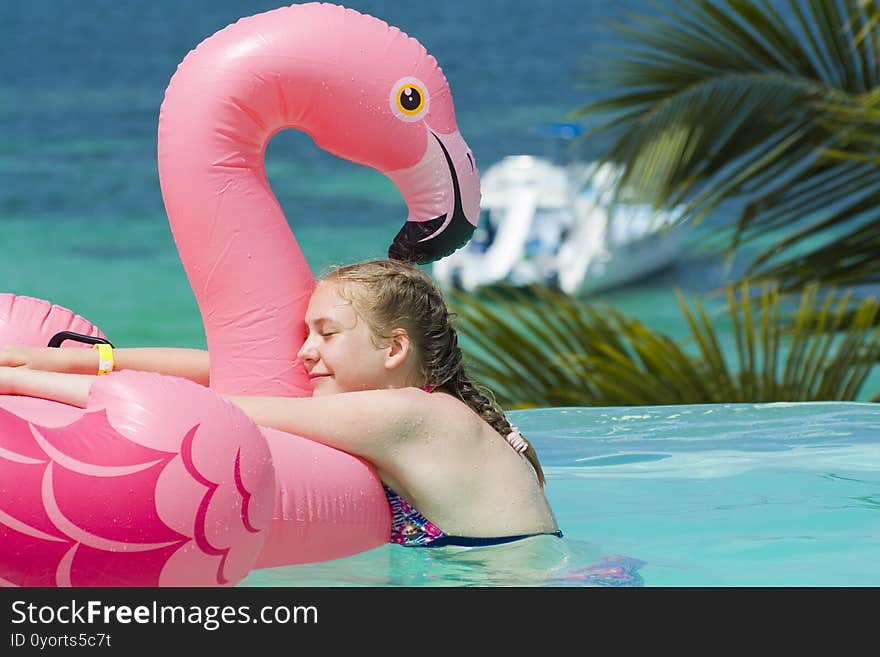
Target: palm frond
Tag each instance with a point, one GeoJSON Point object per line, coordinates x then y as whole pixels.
{"type": "Point", "coordinates": [772, 108]}
{"type": "Point", "coordinates": [535, 347]}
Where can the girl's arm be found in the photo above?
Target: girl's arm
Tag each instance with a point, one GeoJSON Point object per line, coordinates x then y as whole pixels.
{"type": "Point", "coordinates": [190, 364]}
{"type": "Point", "coordinates": [70, 389]}
{"type": "Point", "coordinates": [373, 423]}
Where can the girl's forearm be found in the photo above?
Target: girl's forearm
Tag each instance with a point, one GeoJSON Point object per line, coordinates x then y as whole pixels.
{"type": "Point", "coordinates": [190, 364]}
{"type": "Point", "coordinates": [70, 389]}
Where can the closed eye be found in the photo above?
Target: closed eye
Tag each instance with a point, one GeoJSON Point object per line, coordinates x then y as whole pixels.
{"type": "Point", "coordinates": [322, 327]}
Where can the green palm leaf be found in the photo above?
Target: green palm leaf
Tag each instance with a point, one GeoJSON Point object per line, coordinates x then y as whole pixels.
{"type": "Point", "coordinates": [770, 108]}
{"type": "Point", "coordinates": [537, 348]}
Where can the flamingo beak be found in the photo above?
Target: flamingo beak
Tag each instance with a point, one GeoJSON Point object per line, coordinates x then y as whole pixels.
{"type": "Point", "coordinates": [423, 240]}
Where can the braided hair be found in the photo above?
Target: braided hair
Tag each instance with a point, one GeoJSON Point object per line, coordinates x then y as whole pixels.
{"type": "Point", "coordinates": [389, 294]}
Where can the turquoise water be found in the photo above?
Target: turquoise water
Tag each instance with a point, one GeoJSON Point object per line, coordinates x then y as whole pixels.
{"type": "Point", "coordinates": [669, 496]}
{"type": "Point", "coordinates": [701, 495]}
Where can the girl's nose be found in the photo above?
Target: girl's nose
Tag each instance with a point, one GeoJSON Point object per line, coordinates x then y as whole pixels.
{"type": "Point", "coordinates": [307, 352]}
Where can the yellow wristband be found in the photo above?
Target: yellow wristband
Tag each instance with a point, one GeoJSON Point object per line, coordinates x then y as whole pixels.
{"type": "Point", "coordinates": [105, 358]}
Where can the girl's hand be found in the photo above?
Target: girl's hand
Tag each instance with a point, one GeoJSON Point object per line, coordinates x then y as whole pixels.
{"type": "Point", "coordinates": [52, 359]}
{"type": "Point", "coordinates": [15, 355]}
{"type": "Point", "coordinates": [70, 389]}
{"type": "Point", "coordinates": [11, 356]}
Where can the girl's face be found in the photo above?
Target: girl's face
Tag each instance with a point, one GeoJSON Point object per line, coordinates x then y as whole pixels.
{"type": "Point", "coordinates": [339, 353]}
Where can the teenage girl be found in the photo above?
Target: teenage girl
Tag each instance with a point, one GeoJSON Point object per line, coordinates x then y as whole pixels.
{"type": "Point", "coordinates": [389, 386]}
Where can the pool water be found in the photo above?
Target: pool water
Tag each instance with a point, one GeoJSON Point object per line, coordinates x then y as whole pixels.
{"type": "Point", "coordinates": [699, 495]}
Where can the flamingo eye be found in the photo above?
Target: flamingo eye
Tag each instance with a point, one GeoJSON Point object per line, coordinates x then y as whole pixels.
{"type": "Point", "coordinates": [409, 99]}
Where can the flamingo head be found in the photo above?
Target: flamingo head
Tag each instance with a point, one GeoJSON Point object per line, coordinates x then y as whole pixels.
{"type": "Point", "coordinates": [382, 101]}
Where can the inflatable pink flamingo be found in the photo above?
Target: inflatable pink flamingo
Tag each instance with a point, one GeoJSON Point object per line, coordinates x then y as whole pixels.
{"type": "Point", "coordinates": [160, 481]}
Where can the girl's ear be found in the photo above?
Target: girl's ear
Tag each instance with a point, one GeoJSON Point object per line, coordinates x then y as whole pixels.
{"type": "Point", "coordinates": [398, 349]}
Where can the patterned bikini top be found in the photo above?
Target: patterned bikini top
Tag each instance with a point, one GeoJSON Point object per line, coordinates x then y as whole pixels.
{"type": "Point", "coordinates": [411, 529]}
{"type": "Point", "coordinates": [408, 526]}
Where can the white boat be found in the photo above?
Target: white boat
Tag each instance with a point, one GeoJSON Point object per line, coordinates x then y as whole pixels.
{"type": "Point", "coordinates": [543, 222]}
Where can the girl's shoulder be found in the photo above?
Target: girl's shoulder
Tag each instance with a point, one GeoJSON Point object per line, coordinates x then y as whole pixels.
{"type": "Point", "coordinates": [435, 408]}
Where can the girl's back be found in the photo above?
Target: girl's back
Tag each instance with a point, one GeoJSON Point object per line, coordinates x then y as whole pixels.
{"type": "Point", "coordinates": [463, 476]}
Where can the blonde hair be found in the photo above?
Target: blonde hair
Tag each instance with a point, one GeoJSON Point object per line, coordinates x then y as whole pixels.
{"type": "Point", "coordinates": [391, 294]}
